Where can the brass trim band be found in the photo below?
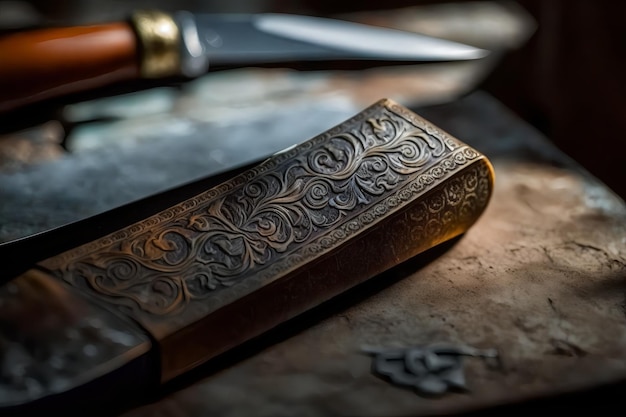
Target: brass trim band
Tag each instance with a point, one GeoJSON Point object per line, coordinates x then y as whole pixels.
{"type": "Point", "coordinates": [159, 38]}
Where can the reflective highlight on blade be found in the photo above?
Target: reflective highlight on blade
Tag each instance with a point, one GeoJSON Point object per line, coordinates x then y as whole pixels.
{"type": "Point", "coordinates": [274, 38]}
{"type": "Point", "coordinates": [369, 41]}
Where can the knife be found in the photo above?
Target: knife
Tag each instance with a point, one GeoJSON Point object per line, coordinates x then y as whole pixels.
{"type": "Point", "coordinates": [120, 313]}
{"type": "Point", "coordinates": [47, 63]}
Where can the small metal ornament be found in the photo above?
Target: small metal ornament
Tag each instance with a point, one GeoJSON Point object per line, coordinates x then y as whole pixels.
{"type": "Point", "coordinates": [431, 370]}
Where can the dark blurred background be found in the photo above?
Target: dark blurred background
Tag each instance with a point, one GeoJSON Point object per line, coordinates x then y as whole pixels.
{"type": "Point", "coordinates": [566, 80]}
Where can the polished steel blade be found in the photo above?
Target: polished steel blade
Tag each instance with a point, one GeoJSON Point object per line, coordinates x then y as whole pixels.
{"type": "Point", "coordinates": [273, 38]}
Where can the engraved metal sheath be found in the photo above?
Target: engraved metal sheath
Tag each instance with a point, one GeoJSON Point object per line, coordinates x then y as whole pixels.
{"type": "Point", "coordinates": [159, 297]}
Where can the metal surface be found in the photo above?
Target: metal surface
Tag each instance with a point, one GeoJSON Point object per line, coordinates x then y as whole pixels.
{"type": "Point", "coordinates": [194, 58]}
{"type": "Point", "coordinates": [53, 340]}
{"type": "Point", "coordinates": [252, 252]}
{"type": "Point", "coordinates": [274, 38]}
{"type": "Point", "coordinates": [280, 238]}
{"type": "Point", "coordinates": [431, 370]}
{"type": "Point", "coordinates": [540, 276]}
{"type": "Point", "coordinates": [160, 43]}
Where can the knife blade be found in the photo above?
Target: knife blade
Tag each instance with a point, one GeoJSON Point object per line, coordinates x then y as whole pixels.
{"type": "Point", "coordinates": [124, 312]}
{"type": "Point", "coordinates": [47, 63]}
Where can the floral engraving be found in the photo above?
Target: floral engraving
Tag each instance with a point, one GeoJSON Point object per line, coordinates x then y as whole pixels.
{"type": "Point", "coordinates": [273, 218]}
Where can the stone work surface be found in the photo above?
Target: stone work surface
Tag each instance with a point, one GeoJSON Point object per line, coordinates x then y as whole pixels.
{"type": "Point", "coordinates": [540, 277]}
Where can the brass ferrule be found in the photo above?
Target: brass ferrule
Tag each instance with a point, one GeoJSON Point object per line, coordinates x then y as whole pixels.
{"type": "Point", "coordinates": [160, 40]}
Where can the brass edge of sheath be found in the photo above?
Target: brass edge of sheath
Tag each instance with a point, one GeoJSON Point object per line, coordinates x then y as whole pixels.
{"type": "Point", "coordinates": [238, 259]}
{"type": "Point", "coordinates": [160, 41]}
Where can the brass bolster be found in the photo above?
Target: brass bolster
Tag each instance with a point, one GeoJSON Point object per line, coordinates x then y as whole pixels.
{"type": "Point", "coordinates": [160, 43]}
{"type": "Point", "coordinates": [307, 224]}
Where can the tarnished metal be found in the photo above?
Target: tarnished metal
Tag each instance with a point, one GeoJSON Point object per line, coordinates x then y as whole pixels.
{"type": "Point", "coordinates": [260, 248]}
{"type": "Point", "coordinates": [53, 340]}
{"type": "Point", "coordinates": [431, 370]}
{"type": "Point", "coordinates": [238, 259]}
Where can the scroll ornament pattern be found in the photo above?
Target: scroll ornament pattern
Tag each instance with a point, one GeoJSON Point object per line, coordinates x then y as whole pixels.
{"type": "Point", "coordinates": [270, 222]}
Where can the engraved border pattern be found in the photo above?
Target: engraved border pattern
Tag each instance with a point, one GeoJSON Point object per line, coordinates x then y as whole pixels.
{"type": "Point", "coordinates": [417, 184]}
{"type": "Point", "coordinates": [59, 261]}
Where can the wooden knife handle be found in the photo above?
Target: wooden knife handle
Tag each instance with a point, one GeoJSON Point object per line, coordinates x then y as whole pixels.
{"type": "Point", "coordinates": [42, 64]}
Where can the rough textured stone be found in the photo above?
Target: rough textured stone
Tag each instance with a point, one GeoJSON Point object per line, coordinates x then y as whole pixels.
{"type": "Point", "coordinates": [540, 277]}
